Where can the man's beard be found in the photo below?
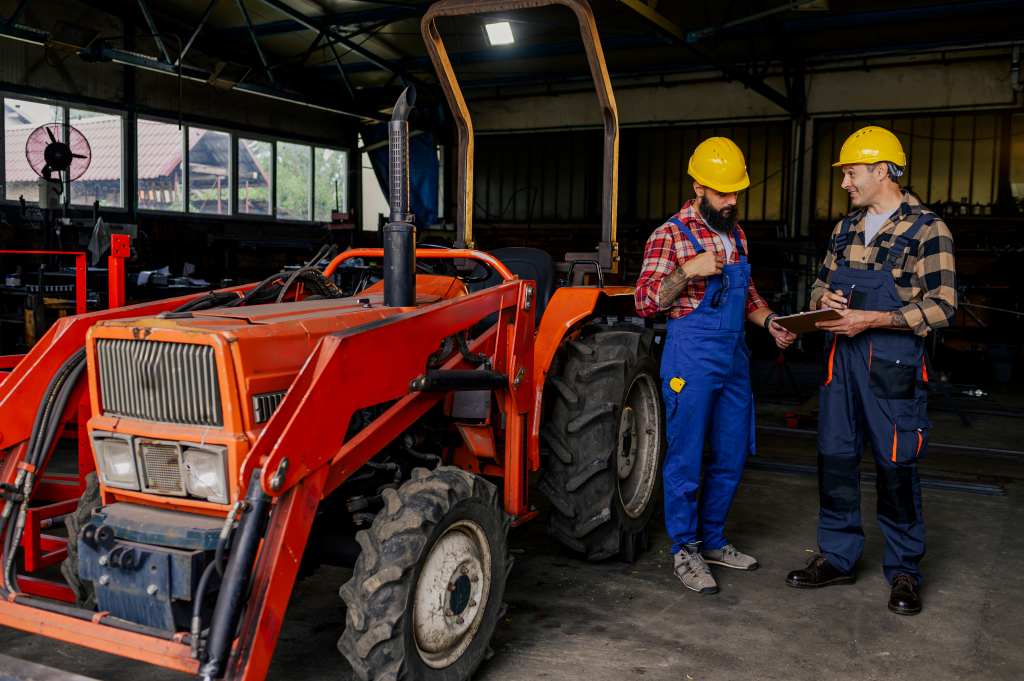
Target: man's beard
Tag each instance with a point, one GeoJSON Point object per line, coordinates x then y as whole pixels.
{"type": "Point", "coordinates": [720, 221]}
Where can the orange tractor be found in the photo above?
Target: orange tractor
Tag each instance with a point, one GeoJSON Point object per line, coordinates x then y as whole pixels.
{"type": "Point", "coordinates": [243, 437]}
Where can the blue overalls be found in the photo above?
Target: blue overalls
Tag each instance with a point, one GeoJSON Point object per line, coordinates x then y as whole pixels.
{"type": "Point", "coordinates": [705, 377]}
{"type": "Point", "coordinates": [874, 386]}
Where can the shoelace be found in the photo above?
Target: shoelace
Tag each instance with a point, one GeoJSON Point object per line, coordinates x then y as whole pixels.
{"type": "Point", "coordinates": [904, 579]}
{"type": "Point", "coordinates": [694, 565]}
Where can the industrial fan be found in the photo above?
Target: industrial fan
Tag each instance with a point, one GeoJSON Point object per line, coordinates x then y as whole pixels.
{"type": "Point", "coordinates": [57, 148]}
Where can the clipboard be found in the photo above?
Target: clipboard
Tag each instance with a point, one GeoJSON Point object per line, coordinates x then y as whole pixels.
{"type": "Point", "coordinates": [804, 322]}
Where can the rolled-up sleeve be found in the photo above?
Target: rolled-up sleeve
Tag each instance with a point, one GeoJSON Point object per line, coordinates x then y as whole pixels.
{"type": "Point", "coordinates": [659, 261]}
{"type": "Point", "coordinates": [935, 276]}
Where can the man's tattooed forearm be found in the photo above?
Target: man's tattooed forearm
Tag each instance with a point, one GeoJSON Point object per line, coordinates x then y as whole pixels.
{"type": "Point", "coordinates": [899, 321]}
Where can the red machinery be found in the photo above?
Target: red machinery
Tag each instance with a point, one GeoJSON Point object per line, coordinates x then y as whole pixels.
{"type": "Point", "coordinates": [244, 436]}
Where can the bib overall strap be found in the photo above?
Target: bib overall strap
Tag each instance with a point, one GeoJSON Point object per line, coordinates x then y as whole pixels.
{"type": "Point", "coordinates": [845, 236]}
{"type": "Point", "coordinates": [903, 240]}
{"type": "Point", "coordinates": [685, 231]}
{"type": "Point", "coordinates": [739, 242]}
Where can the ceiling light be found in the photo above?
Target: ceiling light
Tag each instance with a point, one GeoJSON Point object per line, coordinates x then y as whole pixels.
{"type": "Point", "coordinates": [500, 33]}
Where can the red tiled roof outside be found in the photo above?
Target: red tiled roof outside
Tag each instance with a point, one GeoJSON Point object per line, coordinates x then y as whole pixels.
{"type": "Point", "coordinates": [160, 149]}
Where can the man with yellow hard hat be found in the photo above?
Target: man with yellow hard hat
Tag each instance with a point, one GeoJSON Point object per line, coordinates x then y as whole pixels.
{"type": "Point", "coordinates": [890, 272]}
{"type": "Point", "coordinates": [695, 271]}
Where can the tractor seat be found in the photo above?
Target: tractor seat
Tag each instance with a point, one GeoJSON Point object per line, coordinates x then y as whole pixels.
{"type": "Point", "coordinates": [525, 263]}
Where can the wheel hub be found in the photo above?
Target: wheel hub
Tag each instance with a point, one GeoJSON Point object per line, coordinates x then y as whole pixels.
{"type": "Point", "coordinates": [627, 443]}
{"type": "Point", "coordinates": [451, 594]}
{"type": "Point", "coordinates": [639, 445]}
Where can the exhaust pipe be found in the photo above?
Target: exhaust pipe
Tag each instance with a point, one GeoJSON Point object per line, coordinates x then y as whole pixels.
{"type": "Point", "coordinates": [399, 233]}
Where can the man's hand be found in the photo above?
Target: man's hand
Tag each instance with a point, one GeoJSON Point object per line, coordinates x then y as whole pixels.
{"type": "Point", "coordinates": [783, 337]}
{"type": "Point", "coordinates": [853, 322]}
{"type": "Point", "coordinates": [832, 300]}
{"type": "Point", "coordinates": [707, 264]}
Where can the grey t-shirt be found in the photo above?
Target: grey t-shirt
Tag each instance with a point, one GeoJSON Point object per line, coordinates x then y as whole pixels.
{"type": "Point", "coordinates": [872, 225]}
{"type": "Point", "coordinates": [727, 241]}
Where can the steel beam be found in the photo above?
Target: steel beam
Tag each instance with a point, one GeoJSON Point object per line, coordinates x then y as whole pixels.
{"type": "Point", "coordinates": [341, 70]}
{"type": "Point", "coordinates": [255, 41]}
{"type": "Point", "coordinates": [195, 33]}
{"type": "Point", "coordinates": [336, 35]}
{"type": "Point", "coordinates": [674, 34]}
{"type": "Point", "coordinates": [153, 30]}
{"type": "Point", "coordinates": [17, 12]}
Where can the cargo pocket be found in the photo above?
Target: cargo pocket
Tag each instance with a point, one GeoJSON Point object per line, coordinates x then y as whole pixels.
{"type": "Point", "coordinates": [893, 380]}
{"type": "Point", "coordinates": [909, 438]}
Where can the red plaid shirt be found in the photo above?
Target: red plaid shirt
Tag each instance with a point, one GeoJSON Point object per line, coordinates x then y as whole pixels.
{"type": "Point", "coordinates": [667, 248]}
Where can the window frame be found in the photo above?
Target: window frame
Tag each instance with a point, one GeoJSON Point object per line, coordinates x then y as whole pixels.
{"type": "Point", "coordinates": [124, 207]}
{"type": "Point", "coordinates": [232, 171]}
{"type": "Point", "coordinates": [310, 175]}
{"type": "Point", "coordinates": [184, 166]}
{"type": "Point", "coordinates": [129, 163]}
{"type": "Point", "coordinates": [4, 96]}
{"type": "Point", "coordinates": [348, 171]}
{"type": "Point", "coordinates": [258, 217]}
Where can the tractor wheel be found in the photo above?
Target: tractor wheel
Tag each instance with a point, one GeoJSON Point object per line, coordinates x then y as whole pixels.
{"type": "Point", "coordinates": [604, 441]}
{"type": "Point", "coordinates": [426, 591]}
{"type": "Point", "coordinates": [85, 595]}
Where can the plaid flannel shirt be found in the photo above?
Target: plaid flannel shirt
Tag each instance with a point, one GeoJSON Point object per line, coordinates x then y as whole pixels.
{"type": "Point", "coordinates": [925, 277]}
{"type": "Point", "coordinates": [668, 249]}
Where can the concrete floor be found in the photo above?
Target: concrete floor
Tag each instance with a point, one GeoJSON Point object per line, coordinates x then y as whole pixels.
{"type": "Point", "coordinates": [610, 622]}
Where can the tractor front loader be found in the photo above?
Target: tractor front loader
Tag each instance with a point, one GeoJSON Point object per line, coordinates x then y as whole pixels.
{"type": "Point", "coordinates": [242, 438]}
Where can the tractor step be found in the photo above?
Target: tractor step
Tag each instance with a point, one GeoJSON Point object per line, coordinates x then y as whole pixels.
{"type": "Point", "coordinates": [14, 669]}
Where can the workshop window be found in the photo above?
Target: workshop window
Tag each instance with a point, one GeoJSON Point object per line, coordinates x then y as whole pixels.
{"type": "Point", "coordinates": [103, 181]}
{"type": "Point", "coordinates": [330, 182]}
{"type": "Point", "coordinates": [294, 181]}
{"type": "Point", "coordinates": [21, 117]}
{"type": "Point", "coordinates": [209, 171]}
{"type": "Point", "coordinates": [159, 165]}
{"type": "Point", "coordinates": [255, 177]}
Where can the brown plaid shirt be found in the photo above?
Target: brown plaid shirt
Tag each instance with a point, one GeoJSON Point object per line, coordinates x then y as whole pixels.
{"type": "Point", "coordinates": [925, 277]}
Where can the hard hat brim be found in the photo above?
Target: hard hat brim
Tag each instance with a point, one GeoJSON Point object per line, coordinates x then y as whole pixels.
{"type": "Point", "coordinates": [723, 188]}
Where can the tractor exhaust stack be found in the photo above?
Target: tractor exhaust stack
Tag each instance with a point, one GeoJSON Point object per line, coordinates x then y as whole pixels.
{"type": "Point", "coordinates": [399, 233]}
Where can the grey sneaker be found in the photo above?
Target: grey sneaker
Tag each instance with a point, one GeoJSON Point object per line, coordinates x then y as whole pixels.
{"type": "Point", "coordinates": [693, 572]}
{"type": "Point", "coordinates": [729, 557]}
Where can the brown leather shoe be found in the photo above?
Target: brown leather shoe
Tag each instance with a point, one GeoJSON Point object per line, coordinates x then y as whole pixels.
{"type": "Point", "coordinates": [819, 572]}
{"type": "Point", "coordinates": [905, 598]}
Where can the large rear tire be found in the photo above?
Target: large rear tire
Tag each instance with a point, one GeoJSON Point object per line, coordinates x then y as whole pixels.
{"type": "Point", "coordinates": [426, 591]}
{"type": "Point", "coordinates": [604, 441]}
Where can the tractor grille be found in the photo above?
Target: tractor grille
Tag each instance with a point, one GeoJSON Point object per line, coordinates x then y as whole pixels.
{"type": "Point", "coordinates": [264, 405]}
{"type": "Point", "coordinates": [161, 468]}
{"type": "Point", "coordinates": [169, 382]}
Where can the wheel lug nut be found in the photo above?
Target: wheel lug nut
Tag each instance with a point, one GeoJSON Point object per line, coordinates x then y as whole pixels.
{"type": "Point", "coordinates": [460, 621]}
{"type": "Point", "coordinates": [451, 587]}
{"type": "Point", "coordinates": [472, 604]}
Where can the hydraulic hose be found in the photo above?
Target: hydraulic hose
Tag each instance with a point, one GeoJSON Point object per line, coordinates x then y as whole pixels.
{"type": "Point", "coordinates": [237, 577]}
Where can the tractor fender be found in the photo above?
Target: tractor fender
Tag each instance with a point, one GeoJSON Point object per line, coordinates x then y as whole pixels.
{"type": "Point", "coordinates": [567, 310]}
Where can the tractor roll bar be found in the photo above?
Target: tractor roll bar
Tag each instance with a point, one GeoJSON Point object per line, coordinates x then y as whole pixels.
{"type": "Point", "coordinates": [426, 254]}
{"type": "Point", "coordinates": [608, 251]}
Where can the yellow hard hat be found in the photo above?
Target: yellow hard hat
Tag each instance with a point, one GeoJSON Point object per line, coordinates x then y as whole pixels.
{"type": "Point", "coordinates": [871, 145]}
{"type": "Point", "coordinates": [718, 163]}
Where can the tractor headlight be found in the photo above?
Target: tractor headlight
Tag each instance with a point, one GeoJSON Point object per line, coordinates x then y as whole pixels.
{"type": "Point", "coordinates": [116, 461]}
{"type": "Point", "coordinates": [206, 473]}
